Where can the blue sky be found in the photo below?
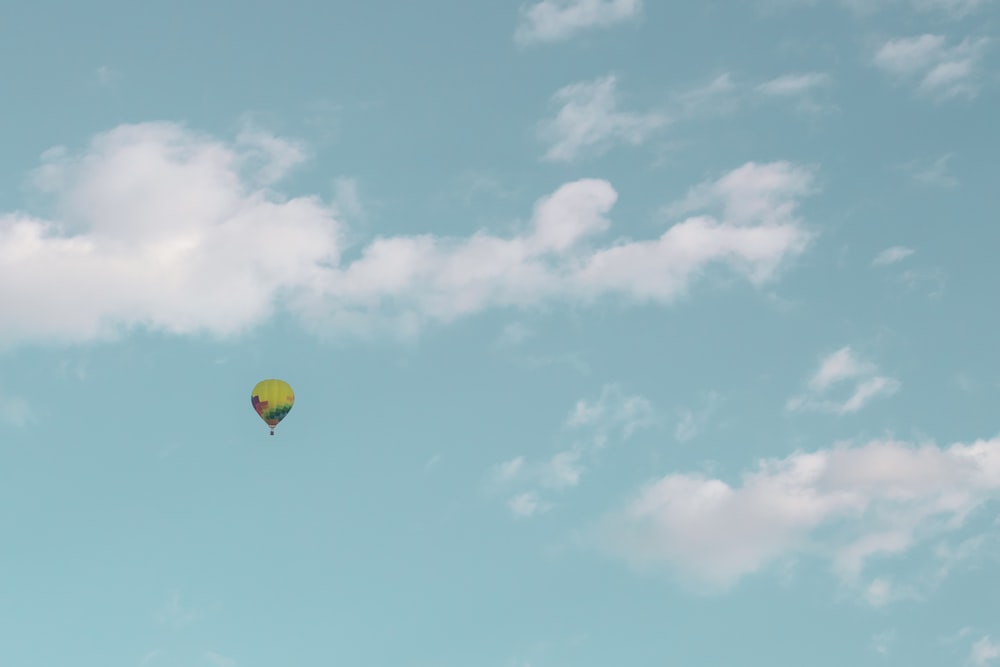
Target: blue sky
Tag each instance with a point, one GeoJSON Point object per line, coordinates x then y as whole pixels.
{"type": "Point", "coordinates": [622, 333]}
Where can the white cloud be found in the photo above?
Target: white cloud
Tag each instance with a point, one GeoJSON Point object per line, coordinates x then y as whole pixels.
{"type": "Point", "coordinates": [159, 227]}
{"type": "Point", "coordinates": [984, 652]}
{"type": "Point", "coordinates": [836, 369]}
{"type": "Point", "coordinates": [272, 157]}
{"type": "Point", "coordinates": [846, 503]}
{"type": "Point", "coordinates": [613, 413]}
{"type": "Point", "coordinates": [563, 470]}
{"type": "Point", "coordinates": [558, 20]}
{"type": "Point", "coordinates": [939, 71]}
{"type": "Point", "coordinates": [867, 390]}
{"type": "Point", "coordinates": [892, 255]}
{"type": "Point", "coordinates": [793, 84]}
{"type": "Point", "coordinates": [527, 504]}
{"type": "Point", "coordinates": [404, 282]}
{"type": "Point", "coordinates": [764, 192]}
{"type": "Point", "coordinates": [840, 365]}
{"type": "Point", "coordinates": [589, 121]}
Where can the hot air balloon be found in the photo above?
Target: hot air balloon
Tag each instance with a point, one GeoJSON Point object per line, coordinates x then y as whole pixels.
{"type": "Point", "coordinates": [272, 399]}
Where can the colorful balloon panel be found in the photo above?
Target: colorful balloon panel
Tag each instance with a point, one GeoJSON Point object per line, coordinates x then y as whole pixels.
{"type": "Point", "coordinates": [272, 400]}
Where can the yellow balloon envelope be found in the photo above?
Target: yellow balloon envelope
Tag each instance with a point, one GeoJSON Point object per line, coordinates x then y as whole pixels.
{"type": "Point", "coordinates": [272, 399]}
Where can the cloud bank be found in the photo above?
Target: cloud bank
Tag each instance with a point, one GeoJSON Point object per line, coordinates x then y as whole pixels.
{"type": "Point", "coordinates": [159, 227]}
{"type": "Point", "coordinates": [849, 504]}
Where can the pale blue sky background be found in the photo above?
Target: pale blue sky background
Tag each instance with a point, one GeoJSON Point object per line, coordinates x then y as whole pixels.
{"type": "Point", "coordinates": [623, 333]}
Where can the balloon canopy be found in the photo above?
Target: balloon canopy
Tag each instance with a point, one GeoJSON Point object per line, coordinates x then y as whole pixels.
{"type": "Point", "coordinates": [272, 399]}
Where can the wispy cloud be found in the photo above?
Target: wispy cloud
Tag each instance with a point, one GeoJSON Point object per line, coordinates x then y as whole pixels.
{"type": "Point", "coordinates": [935, 173]}
{"type": "Point", "coordinates": [612, 411]}
{"type": "Point", "coordinates": [527, 504]}
{"type": "Point", "coordinates": [472, 184]}
{"type": "Point", "coordinates": [884, 498]}
{"type": "Point", "coordinates": [563, 470]}
{"type": "Point", "coordinates": [939, 71]}
{"type": "Point", "coordinates": [952, 8]}
{"type": "Point", "coordinates": [154, 200]}
{"type": "Point", "coordinates": [432, 461]}
{"type": "Point", "coordinates": [882, 591]}
{"type": "Point", "coordinates": [513, 334]}
{"type": "Point", "coordinates": [935, 278]}
{"type": "Point", "coordinates": [969, 552]}
{"type": "Point", "coordinates": [106, 76]}
{"type": "Point", "coordinates": [347, 201]}
{"type": "Point", "coordinates": [219, 660]}
{"type": "Point", "coordinates": [794, 84]}
{"type": "Point", "coordinates": [150, 657]}
{"type": "Point", "coordinates": [15, 410]}
{"type": "Point", "coordinates": [958, 636]}
{"type": "Point", "coordinates": [836, 369]}
{"type": "Point", "coordinates": [727, 93]}
{"type": "Point", "coordinates": [883, 641]}
{"type": "Point", "coordinates": [892, 255]}
{"type": "Point", "coordinates": [693, 420]}
{"type": "Point", "coordinates": [589, 122]}
{"type": "Point", "coordinates": [720, 95]}
{"type": "Point", "coordinates": [612, 415]}
{"type": "Point", "coordinates": [802, 88]}
{"type": "Point", "coordinates": [955, 9]}
{"type": "Point", "coordinates": [984, 652]}
{"type": "Point", "coordinates": [571, 359]}
{"type": "Point", "coordinates": [559, 20]}
{"type": "Point", "coordinates": [175, 615]}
